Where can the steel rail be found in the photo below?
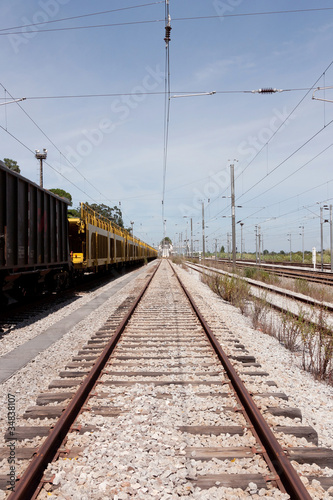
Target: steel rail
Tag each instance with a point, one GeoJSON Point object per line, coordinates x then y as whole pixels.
{"type": "Point", "coordinates": [327, 307]}
{"type": "Point", "coordinates": [273, 289]}
{"type": "Point", "coordinates": [317, 276]}
{"type": "Point", "coordinates": [30, 481]}
{"type": "Point", "coordinates": [288, 475]}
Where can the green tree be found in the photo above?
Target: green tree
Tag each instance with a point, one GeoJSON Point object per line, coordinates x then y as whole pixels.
{"type": "Point", "coordinates": [222, 249]}
{"type": "Point", "coordinates": [12, 165]}
{"type": "Point", "coordinates": [166, 240]}
{"type": "Point", "coordinates": [62, 194]}
{"type": "Point", "coordinates": [74, 212]}
{"type": "Point", "coordinates": [112, 213]}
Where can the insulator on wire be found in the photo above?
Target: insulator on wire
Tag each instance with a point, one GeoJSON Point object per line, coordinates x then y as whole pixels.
{"type": "Point", "coordinates": [167, 34]}
{"type": "Point", "coordinates": [266, 91]}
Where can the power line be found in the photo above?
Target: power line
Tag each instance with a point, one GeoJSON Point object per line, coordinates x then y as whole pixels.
{"type": "Point", "coordinates": [50, 140]}
{"type": "Point", "coordinates": [110, 25]}
{"type": "Point", "coordinates": [47, 163]}
{"type": "Point", "coordinates": [284, 161]}
{"type": "Point", "coordinates": [293, 173]}
{"type": "Point", "coordinates": [54, 145]}
{"type": "Point", "coordinates": [161, 92]}
{"type": "Point", "coordinates": [285, 120]}
{"type": "Point", "coordinates": [81, 16]}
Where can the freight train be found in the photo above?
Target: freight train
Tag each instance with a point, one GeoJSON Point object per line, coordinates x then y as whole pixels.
{"type": "Point", "coordinates": [42, 249]}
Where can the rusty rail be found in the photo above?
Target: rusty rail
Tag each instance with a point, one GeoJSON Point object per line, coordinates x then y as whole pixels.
{"type": "Point", "coordinates": [288, 475]}
{"type": "Point", "coordinates": [32, 476]}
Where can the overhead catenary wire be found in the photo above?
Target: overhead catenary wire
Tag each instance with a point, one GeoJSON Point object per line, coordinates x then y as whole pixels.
{"type": "Point", "coordinates": [103, 12]}
{"type": "Point", "coordinates": [45, 162]}
{"type": "Point", "coordinates": [273, 135]}
{"type": "Point", "coordinates": [193, 18]}
{"type": "Point", "coordinates": [285, 121]}
{"type": "Point", "coordinates": [54, 145]}
{"type": "Point", "coordinates": [161, 92]}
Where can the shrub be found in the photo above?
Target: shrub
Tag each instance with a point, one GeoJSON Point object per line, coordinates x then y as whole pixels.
{"type": "Point", "coordinates": [230, 288]}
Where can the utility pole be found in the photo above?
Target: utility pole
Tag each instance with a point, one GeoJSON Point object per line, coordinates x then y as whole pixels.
{"type": "Point", "coordinates": [259, 243]}
{"type": "Point", "coordinates": [331, 238]}
{"type": "Point", "coordinates": [321, 239]}
{"type": "Point", "coordinates": [228, 245]}
{"type": "Point", "coordinates": [289, 234]}
{"type": "Point", "coordinates": [256, 233]}
{"type": "Point", "coordinates": [302, 234]}
{"type": "Point", "coordinates": [233, 221]}
{"type": "Point", "coordinates": [325, 207]}
{"type": "Point", "coordinates": [41, 156]}
{"type": "Point", "coordinates": [215, 250]}
{"type": "Point", "coordinates": [241, 225]}
{"type": "Point", "coordinates": [203, 231]}
{"type": "Point", "coordinates": [191, 238]}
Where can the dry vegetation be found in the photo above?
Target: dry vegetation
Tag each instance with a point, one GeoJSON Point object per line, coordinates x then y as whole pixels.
{"type": "Point", "coordinates": [311, 337]}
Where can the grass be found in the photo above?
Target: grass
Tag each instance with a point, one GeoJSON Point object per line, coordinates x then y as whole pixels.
{"type": "Point", "coordinates": [311, 336]}
{"type": "Point", "coordinates": [232, 289]}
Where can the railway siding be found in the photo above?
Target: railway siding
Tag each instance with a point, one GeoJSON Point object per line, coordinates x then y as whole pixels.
{"type": "Point", "coordinates": [280, 298]}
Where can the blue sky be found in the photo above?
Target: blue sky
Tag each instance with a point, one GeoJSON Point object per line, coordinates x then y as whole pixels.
{"type": "Point", "coordinates": [110, 149]}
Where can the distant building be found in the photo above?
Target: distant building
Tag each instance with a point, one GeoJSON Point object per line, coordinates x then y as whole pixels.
{"type": "Point", "coordinates": [165, 250]}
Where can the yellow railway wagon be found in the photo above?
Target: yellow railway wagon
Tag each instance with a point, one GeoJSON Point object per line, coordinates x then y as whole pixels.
{"type": "Point", "coordinates": [96, 243]}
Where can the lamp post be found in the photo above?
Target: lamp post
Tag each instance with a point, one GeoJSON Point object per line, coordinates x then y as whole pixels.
{"type": "Point", "coordinates": [41, 156]}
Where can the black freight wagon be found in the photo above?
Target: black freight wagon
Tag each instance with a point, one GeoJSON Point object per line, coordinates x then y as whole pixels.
{"type": "Point", "coordinates": [33, 235]}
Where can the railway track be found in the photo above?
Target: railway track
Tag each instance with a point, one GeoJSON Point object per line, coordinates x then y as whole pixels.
{"type": "Point", "coordinates": [152, 406]}
{"type": "Point", "coordinates": [322, 277]}
{"type": "Point", "coordinates": [291, 308]}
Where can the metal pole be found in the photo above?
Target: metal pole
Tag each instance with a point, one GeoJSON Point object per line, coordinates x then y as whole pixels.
{"type": "Point", "coordinates": [303, 242]}
{"type": "Point", "coordinates": [232, 176]}
{"type": "Point", "coordinates": [259, 244]}
{"type": "Point", "coordinates": [256, 244]}
{"type": "Point", "coordinates": [41, 156]}
{"type": "Point", "coordinates": [191, 238]}
{"type": "Point", "coordinates": [228, 244]}
{"type": "Point", "coordinates": [203, 231]}
{"type": "Point", "coordinates": [331, 238]}
{"type": "Point", "coordinates": [41, 173]}
{"type": "Point", "coordinates": [321, 238]}
{"type": "Point", "coordinates": [241, 225]}
{"type": "Point", "coordinates": [215, 250]}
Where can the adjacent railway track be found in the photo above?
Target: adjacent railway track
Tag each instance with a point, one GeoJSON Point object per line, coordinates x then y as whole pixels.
{"type": "Point", "coordinates": [267, 288]}
{"type": "Point", "coordinates": [288, 271]}
{"type": "Point", "coordinates": [156, 394]}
